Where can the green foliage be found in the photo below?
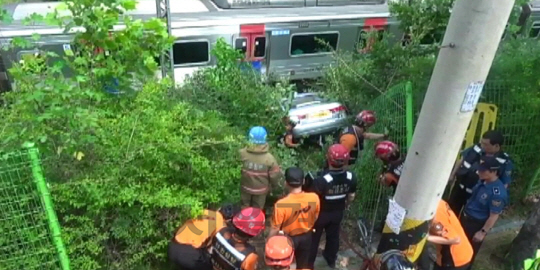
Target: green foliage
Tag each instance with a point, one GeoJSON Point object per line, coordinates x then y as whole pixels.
{"type": "Point", "coordinates": [156, 162]}
{"type": "Point", "coordinates": [424, 21]}
{"type": "Point", "coordinates": [128, 167]}
{"type": "Point", "coordinates": [125, 168]}
{"type": "Point", "coordinates": [512, 85]}
{"type": "Point", "coordinates": [359, 78]}
{"type": "Point", "coordinates": [236, 91]}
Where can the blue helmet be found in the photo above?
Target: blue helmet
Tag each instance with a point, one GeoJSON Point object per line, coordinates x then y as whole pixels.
{"type": "Point", "coordinates": [257, 135]}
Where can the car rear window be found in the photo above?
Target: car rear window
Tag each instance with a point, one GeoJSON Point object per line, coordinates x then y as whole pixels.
{"type": "Point", "coordinates": [299, 101]}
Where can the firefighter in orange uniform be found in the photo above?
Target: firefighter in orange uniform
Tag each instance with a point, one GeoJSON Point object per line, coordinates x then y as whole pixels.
{"type": "Point", "coordinates": [230, 249]}
{"type": "Point", "coordinates": [279, 253]}
{"type": "Point", "coordinates": [454, 251]}
{"type": "Point", "coordinates": [353, 136]}
{"type": "Point", "coordinates": [187, 248]}
{"type": "Point", "coordinates": [295, 215]}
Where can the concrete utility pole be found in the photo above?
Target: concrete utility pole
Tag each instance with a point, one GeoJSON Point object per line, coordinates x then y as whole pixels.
{"type": "Point", "coordinates": [469, 46]}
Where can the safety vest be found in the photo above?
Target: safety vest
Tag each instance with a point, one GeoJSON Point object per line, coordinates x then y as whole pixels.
{"type": "Point", "coordinates": [339, 185]}
{"type": "Point", "coordinates": [470, 165]}
{"type": "Point", "coordinates": [224, 254]}
{"type": "Point", "coordinates": [359, 143]}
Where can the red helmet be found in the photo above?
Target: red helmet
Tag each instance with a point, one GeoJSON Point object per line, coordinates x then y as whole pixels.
{"type": "Point", "coordinates": [337, 155]}
{"type": "Point", "coordinates": [366, 118]}
{"type": "Point", "coordinates": [250, 221]}
{"type": "Point", "coordinates": [385, 149]}
{"type": "Point", "coordinates": [279, 251]}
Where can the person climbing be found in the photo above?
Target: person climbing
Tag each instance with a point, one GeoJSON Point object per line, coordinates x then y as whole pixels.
{"type": "Point", "coordinates": [279, 253]}
{"type": "Point", "coordinates": [295, 215]}
{"type": "Point", "coordinates": [353, 136]}
{"type": "Point", "coordinates": [454, 251]}
{"type": "Point", "coordinates": [186, 248]}
{"type": "Point", "coordinates": [288, 138]}
{"type": "Point", "coordinates": [388, 152]}
{"type": "Point", "coordinates": [229, 248]}
{"type": "Point", "coordinates": [336, 188]}
{"type": "Point", "coordinates": [393, 260]}
{"type": "Point", "coordinates": [260, 170]}
{"type": "Point", "coordinates": [464, 174]}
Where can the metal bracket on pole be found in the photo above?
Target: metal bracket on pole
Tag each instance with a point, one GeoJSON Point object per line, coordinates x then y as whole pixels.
{"type": "Point", "coordinates": [166, 60]}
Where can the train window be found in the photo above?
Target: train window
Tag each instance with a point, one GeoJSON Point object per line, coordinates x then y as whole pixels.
{"type": "Point", "coordinates": [535, 30]}
{"type": "Point", "coordinates": [260, 47]}
{"type": "Point", "coordinates": [302, 44]}
{"type": "Point", "coordinates": [241, 45]}
{"type": "Point", "coordinates": [191, 52]}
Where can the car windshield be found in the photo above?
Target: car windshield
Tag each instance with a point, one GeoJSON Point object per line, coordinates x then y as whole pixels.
{"type": "Point", "coordinates": [302, 101]}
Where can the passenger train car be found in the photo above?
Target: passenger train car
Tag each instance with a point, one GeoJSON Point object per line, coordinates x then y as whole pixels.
{"type": "Point", "coordinates": [281, 37]}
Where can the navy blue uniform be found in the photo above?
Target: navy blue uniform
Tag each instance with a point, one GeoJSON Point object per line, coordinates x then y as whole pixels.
{"type": "Point", "coordinates": [332, 188]}
{"type": "Point", "coordinates": [467, 178]}
{"type": "Point", "coordinates": [486, 198]}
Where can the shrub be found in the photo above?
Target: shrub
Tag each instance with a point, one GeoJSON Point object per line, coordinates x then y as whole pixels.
{"type": "Point", "coordinates": [238, 92]}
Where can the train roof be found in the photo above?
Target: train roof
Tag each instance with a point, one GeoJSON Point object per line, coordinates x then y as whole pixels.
{"type": "Point", "coordinates": [203, 13]}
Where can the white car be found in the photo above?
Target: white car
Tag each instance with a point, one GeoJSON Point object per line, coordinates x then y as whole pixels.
{"type": "Point", "coordinates": [314, 115]}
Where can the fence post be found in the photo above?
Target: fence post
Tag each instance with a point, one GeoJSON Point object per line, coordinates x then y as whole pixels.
{"type": "Point", "coordinates": [409, 112]}
{"type": "Point", "coordinates": [43, 191]}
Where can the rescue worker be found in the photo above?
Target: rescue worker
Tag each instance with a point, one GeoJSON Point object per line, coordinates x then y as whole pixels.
{"type": "Point", "coordinates": [454, 251]}
{"type": "Point", "coordinates": [336, 188]}
{"type": "Point", "coordinates": [393, 260]}
{"type": "Point", "coordinates": [260, 170]}
{"type": "Point", "coordinates": [288, 138]}
{"type": "Point", "coordinates": [279, 253]}
{"type": "Point", "coordinates": [353, 136]}
{"type": "Point", "coordinates": [465, 174]}
{"type": "Point", "coordinates": [488, 199]}
{"type": "Point", "coordinates": [229, 248]}
{"type": "Point", "coordinates": [186, 249]}
{"type": "Point", "coordinates": [295, 215]}
{"type": "Point", "coordinates": [393, 160]}
{"type": "Point", "coordinates": [388, 152]}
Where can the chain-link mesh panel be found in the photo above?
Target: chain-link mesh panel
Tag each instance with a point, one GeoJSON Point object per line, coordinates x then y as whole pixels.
{"type": "Point", "coordinates": [390, 109]}
{"type": "Point", "coordinates": [25, 236]}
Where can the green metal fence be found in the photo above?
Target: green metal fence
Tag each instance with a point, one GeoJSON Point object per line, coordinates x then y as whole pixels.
{"type": "Point", "coordinates": [29, 230]}
{"type": "Point", "coordinates": [517, 116]}
{"type": "Point", "coordinates": [394, 111]}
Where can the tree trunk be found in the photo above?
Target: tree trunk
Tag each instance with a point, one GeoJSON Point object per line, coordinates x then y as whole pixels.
{"type": "Point", "coordinates": [527, 241]}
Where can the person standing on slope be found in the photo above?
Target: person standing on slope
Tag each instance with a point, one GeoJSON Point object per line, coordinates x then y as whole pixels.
{"type": "Point", "coordinates": [260, 170]}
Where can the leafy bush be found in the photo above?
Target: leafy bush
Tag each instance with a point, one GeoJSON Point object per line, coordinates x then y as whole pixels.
{"type": "Point", "coordinates": [236, 91]}
{"type": "Point", "coordinates": [127, 168]}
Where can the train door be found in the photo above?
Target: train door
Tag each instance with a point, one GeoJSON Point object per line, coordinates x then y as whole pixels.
{"type": "Point", "coordinates": [365, 40]}
{"type": "Point", "coordinates": [253, 42]}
